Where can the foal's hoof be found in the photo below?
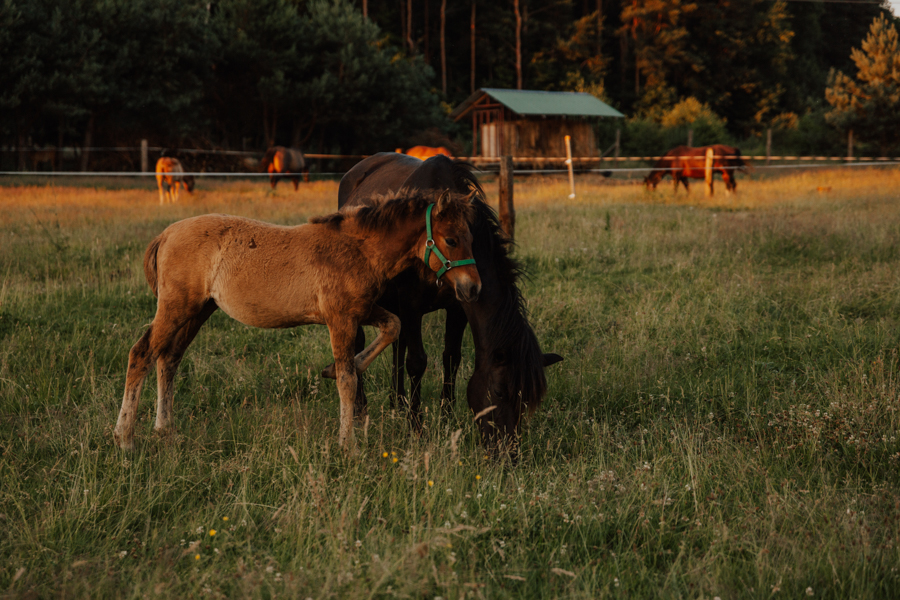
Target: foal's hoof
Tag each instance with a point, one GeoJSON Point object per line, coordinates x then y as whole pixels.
{"type": "Point", "coordinates": [329, 372]}
{"type": "Point", "coordinates": [122, 443]}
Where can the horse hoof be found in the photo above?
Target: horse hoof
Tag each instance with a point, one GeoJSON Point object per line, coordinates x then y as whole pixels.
{"type": "Point", "coordinates": [126, 445]}
{"type": "Point", "coordinates": [329, 372]}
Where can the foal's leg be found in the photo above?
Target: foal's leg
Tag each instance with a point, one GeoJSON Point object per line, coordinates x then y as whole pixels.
{"type": "Point", "coordinates": [168, 361]}
{"type": "Point", "coordinates": [388, 325]}
{"type": "Point", "coordinates": [345, 371]}
{"type": "Point", "coordinates": [154, 341]}
{"type": "Point", "coordinates": [453, 336]}
{"type": "Point", "coordinates": [347, 366]}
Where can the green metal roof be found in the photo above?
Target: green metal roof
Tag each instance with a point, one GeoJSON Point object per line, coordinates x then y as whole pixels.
{"type": "Point", "coordinates": [531, 102]}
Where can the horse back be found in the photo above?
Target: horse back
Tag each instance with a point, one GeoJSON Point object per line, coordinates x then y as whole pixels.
{"type": "Point", "coordinates": [378, 174]}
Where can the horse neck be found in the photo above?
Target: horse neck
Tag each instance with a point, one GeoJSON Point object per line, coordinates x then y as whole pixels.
{"type": "Point", "coordinates": [392, 251]}
{"type": "Point", "coordinates": [500, 327]}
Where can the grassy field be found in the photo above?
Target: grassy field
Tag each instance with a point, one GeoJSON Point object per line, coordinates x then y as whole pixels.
{"type": "Point", "coordinates": [724, 424]}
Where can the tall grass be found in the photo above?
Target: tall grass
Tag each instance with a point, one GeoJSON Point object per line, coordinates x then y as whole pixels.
{"type": "Point", "coordinates": [724, 424]}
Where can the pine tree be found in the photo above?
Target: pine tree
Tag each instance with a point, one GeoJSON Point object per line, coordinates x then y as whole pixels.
{"type": "Point", "coordinates": [870, 104]}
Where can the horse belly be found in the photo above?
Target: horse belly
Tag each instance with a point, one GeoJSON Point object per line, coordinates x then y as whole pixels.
{"type": "Point", "coordinates": [262, 303]}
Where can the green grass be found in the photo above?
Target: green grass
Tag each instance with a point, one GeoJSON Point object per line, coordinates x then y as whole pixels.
{"type": "Point", "coordinates": [725, 422]}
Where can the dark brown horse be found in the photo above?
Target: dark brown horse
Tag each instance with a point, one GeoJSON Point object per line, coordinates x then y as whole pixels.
{"type": "Point", "coordinates": [509, 366]}
{"type": "Point", "coordinates": [329, 272]}
{"type": "Point", "coordinates": [685, 162]}
{"type": "Point", "coordinates": [284, 163]}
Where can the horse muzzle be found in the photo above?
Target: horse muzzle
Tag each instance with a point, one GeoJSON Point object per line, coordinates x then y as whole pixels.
{"type": "Point", "coordinates": [467, 289]}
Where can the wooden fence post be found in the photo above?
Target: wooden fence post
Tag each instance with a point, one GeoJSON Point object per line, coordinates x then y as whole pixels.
{"type": "Point", "coordinates": [768, 146]}
{"type": "Point", "coordinates": [507, 209]}
{"type": "Point", "coordinates": [569, 162]}
{"type": "Point", "coordinates": [709, 172]}
{"type": "Point", "coordinates": [144, 157]}
{"type": "Point", "coordinates": [618, 142]}
{"type": "Point", "coordinates": [850, 145]}
{"type": "Point", "coordinates": [690, 139]}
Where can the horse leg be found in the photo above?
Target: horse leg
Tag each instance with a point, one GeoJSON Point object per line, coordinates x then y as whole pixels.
{"type": "Point", "coordinates": [154, 341]}
{"type": "Point", "coordinates": [159, 185]}
{"type": "Point", "coordinates": [398, 378]}
{"type": "Point", "coordinates": [730, 184]}
{"type": "Point", "coordinates": [360, 403]}
{"type": "Point", "coordinates": [296, 181]}
{"type": "Point", "coordinates": [168, 361]}
{"type": "Point", "coordinates": [416, 363]}
{"type": "Point", "coordinates": [388, 325]}
{"type": "Point", "coordinates": [453, 336]}
{"type": "Point", "coordinates": [343, 335]}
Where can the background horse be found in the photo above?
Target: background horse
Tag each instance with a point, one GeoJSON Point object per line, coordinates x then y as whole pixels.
{"type": "Point", "coordinates": [425, 152]}
{"type": "Point", "coordinates": [284, 163]}
{"type": "Point", "coordinates": [169, 176]}
{"type": "Point", "coordinates": [684, 162]}
{"type": "Point", "coordinates": [273, 277]}
{"type": "Point", "coordinates": [509, 365]}
{"type": "Point", "coordinates": [42, 155]}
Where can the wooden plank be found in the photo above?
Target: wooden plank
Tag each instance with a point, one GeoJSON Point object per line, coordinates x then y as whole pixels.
{"type": "Point", "coordinates": [507, 208]}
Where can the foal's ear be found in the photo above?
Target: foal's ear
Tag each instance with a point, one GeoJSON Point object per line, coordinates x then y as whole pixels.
{"type": "Point", "coordinates": [471, 196]}
{"type": "Point", "coordinates": [443, 199]}
{"type": "Point", "coordinates": [551, 358]}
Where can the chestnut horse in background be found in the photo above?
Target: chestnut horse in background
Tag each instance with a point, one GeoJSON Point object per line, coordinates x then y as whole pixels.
{"type": "Point", "coordinates": [169, 176]}
{"type": "Point", "coordinates": [685, 162]}
{"type": "Point", "coordinates": [425, 152]}
{"type": "Point", "coordinates": [329, 271]}
{"type": "Point", "coordinates": [284, 163]}
{"type": "Point", "coordinates": [508, 381]}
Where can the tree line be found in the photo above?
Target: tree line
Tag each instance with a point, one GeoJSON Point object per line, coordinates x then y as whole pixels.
{"type": "Point", "coordinates": [342, 76]}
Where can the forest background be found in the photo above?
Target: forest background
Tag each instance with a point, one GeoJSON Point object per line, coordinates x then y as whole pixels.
{"type": "Point", "coordinates": [335, 76]}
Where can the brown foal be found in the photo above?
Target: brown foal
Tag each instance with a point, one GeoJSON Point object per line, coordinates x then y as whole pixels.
{"type": "Point", "coordinates": [328, 272]}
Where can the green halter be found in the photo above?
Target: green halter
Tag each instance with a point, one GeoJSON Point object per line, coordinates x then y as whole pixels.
{"type": "Point", "coordinates": [431, 247]}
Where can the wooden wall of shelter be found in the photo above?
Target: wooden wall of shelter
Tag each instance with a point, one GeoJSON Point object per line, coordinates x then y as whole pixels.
{"type": "Point", "coordinates": [545, 137]}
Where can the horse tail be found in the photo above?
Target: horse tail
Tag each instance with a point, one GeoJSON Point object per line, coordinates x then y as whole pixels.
{"type": "Point", "coordinates": [150, 264]}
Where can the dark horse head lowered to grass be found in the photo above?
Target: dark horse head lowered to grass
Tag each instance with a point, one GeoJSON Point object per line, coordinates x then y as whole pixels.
{"type": "Point", "coordinates": [508, 379]}
{"type": "Point", "coordinates": [284, 163]}
{"type": "Point", "coordinates": [329, 271]}
{"type": "Point", "coordinates": [685, 162]}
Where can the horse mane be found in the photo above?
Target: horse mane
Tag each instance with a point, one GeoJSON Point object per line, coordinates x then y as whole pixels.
{"type": "Point", "coordinates": [510, 328]}
{"type": "Point", "coordinates": [383, 210]}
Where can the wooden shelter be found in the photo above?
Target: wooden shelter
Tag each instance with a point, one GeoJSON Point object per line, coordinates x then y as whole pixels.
{"type": "Point", "coordinates": [527, 123]}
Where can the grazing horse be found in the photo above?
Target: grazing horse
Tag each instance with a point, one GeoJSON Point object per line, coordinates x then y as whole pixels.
{"type": "Point", "coordinates": [329, 271]}
{"type": "Point", "coordinates": [284, 163]}
{"type": "Point", "coordinates": [169, 176]}
{"type": "Point", "coordinates": [425, 152]}
{"type": "Point", "coordinates": [509, 365]}
{"type": "Point", "coordinates": [684, 162]}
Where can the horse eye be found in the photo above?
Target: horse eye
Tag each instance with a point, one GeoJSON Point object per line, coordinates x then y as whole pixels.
{"type": "Point", "coordinates": [450, 242]}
